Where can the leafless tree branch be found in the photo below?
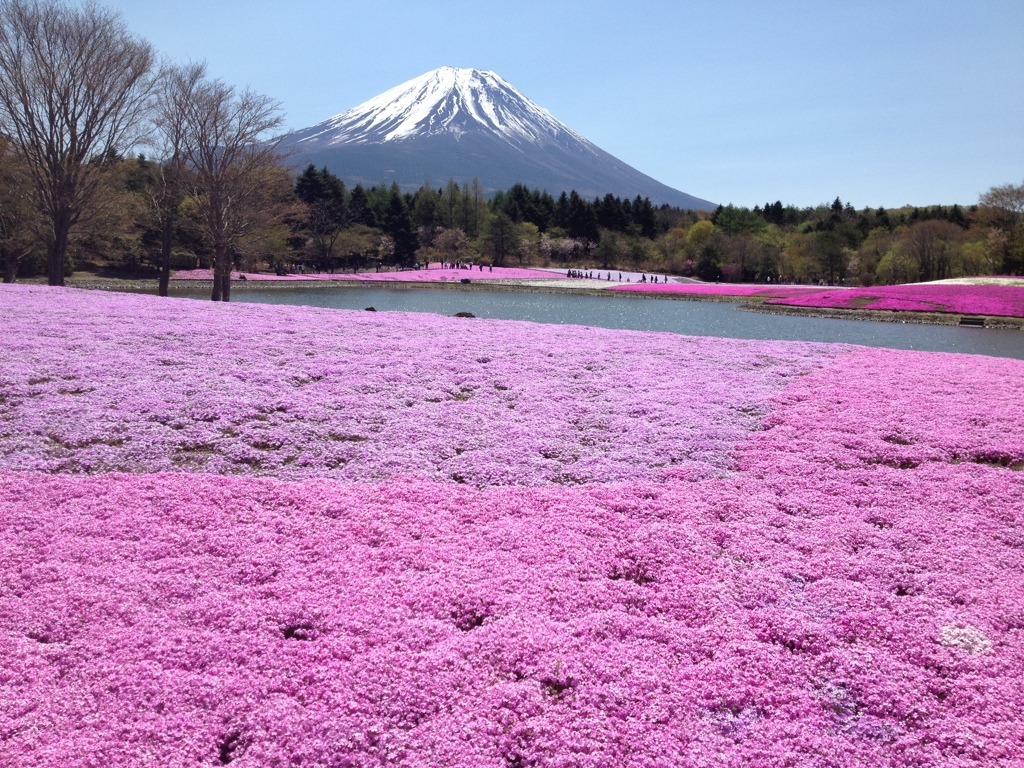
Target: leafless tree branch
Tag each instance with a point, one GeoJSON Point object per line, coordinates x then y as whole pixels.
{"type": "Point", "coordinates": [75, 89]}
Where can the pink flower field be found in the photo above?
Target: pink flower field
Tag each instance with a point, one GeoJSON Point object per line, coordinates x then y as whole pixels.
{"type": "Point", "coordinates": [433, 275]}
{"type": "Point", "coordinates": [280, 536]}
{"type": "Point", "coordinates": [723, 289]}
{"type": "Point", "coordinates": [996, 300]}
{"type": "Point", "coordinates": [132, 384]}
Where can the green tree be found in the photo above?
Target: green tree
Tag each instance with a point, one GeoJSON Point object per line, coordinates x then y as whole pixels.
{"type": "Point", "coordinates": [768, 268]}
{"type": "Point", "coordinates": [737, 221]}
{"type": "Point", "coordinates": [827, 249]}
{"type": "Point", "coordinates": [581, 220]}
{"type": "Point", "coordinates": [698, 236]}
{"type": "Point", "coordinates": [560, 215]}
{"type": "Point", "coordinates": [643, 217]}
{"type": "Point", "coordinates": [474, 208]}
{"type": "Point", "coordinates": [359, 207]}
{"type": "Point", "coordinates": [324, 196]}
{"type": "Point", "coordinates": [426, 208]}
{"type": "Point", "coordinates": [709, 266]}
{"type": "Point", "coordinates": [610, 250]}
{"type": "Point", "coordinates": [774, 213]}
{"type": "Point", "coordinates": [357, 244]}
{"type": "Point", "coordinates": [865, 263]}
{"type": "Point", "coordinates": [449, 205]}
{"type": "Point", "coordinates": [398, 225]}
{"type": "Point", "coordinates": [741, 254]}
{"type": "Point", "coordinates": [896, 267]}
{"type": "Point", "coordinates": [501, 238]}
{"type": "Point", "coordinates": [517, 204]}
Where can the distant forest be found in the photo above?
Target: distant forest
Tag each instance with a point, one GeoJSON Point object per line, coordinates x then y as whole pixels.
{"type": "Point", "coordinates": [832, 243]}
{"type": "Point", "coordinates": [316, 223]}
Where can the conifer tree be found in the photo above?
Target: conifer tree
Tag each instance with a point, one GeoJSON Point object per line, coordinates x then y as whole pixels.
{"type": "Point", "coordinates": [398, 225]}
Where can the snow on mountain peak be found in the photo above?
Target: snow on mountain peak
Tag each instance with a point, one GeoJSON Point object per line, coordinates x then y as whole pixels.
{"type": "Point", "coordinates": [445, 101]}
{"type": "Point", "coordinates": [463, 125]}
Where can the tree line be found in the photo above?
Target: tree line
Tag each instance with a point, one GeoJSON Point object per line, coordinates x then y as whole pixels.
{"type": "Point", "coordinates": [834, 243]}
{"type": "Point", "coordinates": [110, 157]}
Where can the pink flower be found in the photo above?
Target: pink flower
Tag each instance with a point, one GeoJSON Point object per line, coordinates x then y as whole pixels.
{"type": "Point", "coordinates": [832, 573]}
{"type": "Point", "coordinates": [997, 300]}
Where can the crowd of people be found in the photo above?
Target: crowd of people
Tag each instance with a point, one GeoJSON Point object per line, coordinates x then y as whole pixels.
{"type": "Point", "coordinates": [458, 265]}
{"type": "Point", "coordinates": [590, 275]}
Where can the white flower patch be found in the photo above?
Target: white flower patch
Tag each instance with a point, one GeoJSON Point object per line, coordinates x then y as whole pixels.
{"type": "Point", "coordinates": [968, 639]}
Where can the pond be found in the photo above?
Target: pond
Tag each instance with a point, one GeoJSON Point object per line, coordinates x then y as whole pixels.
{"type": "Point", "coordinates": [694, 318]}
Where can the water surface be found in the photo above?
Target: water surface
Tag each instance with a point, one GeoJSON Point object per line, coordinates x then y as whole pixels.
{"type": "Point", "coordinates": [695, 318]}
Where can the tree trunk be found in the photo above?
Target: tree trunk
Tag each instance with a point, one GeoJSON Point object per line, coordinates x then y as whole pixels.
{"type": "Point", "coordinates": [221, 273]}
{"type": "Point", "coordinates": [165, 256]}
{"type": "Point", "coordinates": [56, 249]}
{"type": "Point", "coordinates": [217, 273]}
{"type": "Point", "coordinates": [226, 280]}
{"type": "Point", "coordinates": [10, 266]}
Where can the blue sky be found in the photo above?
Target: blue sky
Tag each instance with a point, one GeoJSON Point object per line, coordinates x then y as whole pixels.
{"type": "Point", "coordinates": [880, 103]}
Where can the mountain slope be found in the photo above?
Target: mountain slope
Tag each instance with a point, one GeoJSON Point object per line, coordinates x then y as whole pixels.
{"type": "Point", "coordinates": [466, 123]}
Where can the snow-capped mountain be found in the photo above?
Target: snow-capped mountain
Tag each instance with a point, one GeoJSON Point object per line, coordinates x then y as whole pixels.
{"type": "Point", "coordinates": [462, 124]}
{"type": "Point", "coordinates": [445, 101]}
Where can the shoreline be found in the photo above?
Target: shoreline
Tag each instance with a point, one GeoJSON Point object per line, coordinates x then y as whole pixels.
{"type": "Point", "coordinates": [744, 303]}
{"type": "Point", "coordinates": [889, 316]}
{"type": "Point", "coordinates": [495, 285]}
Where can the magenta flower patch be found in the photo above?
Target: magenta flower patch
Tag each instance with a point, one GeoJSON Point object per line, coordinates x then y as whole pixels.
{"type": "Point", "coordinates": [433, 275]}
{"type": "Point", "coordinates": [722, 289]}
{"type": "Point", "coordinates": [997, 300]}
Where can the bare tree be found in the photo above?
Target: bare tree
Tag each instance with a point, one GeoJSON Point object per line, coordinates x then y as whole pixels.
{"type": "Point", "coordinates": [1002, 209]}
{"type": "Point", "coordinates": [233, 170]}
{"type": "Point", "coordinates": [452, 245]}
{"type": "Point", "coordinates": [74, 89]}
{"type": "Point", "coordinates": [174, 100]}
{"type": "Point", "coordinates": [1006, 202]}
{"type": "Point", "coordinates": [936, 246]}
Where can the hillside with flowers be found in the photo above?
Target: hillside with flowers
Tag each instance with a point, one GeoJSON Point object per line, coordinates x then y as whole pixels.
{"type": "Point", "coordinates": [252, 535]}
